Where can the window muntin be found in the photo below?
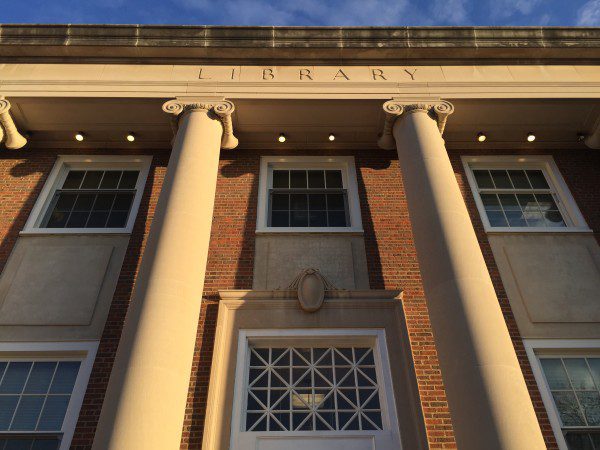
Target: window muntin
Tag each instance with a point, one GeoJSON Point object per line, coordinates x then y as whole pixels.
{"type": "Point", "coordinates": [34, 398]}
{"type": "Point", "coordinates": [518, 198]}
{"type": "Point", "coordinates": [574, 383]}
{"type": "Point", "coordinates": [92, 199]}
{"type": "Point", "coordinates": [308, 198]}
{"type": "Point", "coordinates": [312, 389]}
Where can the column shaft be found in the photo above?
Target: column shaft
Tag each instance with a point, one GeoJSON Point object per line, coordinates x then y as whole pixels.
{"type": "Point", "coordinates": [146, 398]}
{"type": "Point", "coordinates": [489, 402]}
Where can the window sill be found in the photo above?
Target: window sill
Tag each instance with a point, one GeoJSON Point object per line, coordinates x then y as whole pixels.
{"type": "Point", "coordinates": [527, 230]}
{"type": "Point", "coordinates": [301, 230]}
{"type": "Point", "coordinates": [74, 231]}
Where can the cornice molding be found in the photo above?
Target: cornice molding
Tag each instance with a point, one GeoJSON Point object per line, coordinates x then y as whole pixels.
{"type": "Point", "coordinates": [438, 110]}
{"type": "Point", "coordinates": [221, 108]}
{"type": "Point", "coordinates": [351, 45]}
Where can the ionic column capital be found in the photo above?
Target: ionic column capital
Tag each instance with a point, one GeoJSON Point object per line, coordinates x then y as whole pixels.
{"type": "Point", "coordinates": [438, 110]}
{"type": "Point", "coordinates": [14, 139]}
{"type": "Point", "coordinates": [220, 108]}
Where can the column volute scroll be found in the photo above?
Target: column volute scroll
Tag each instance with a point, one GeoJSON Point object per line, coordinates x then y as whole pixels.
{"type": "Point", "coordinates": [13, 140]}
{"type": "Point", "coordinates": [220, 109]}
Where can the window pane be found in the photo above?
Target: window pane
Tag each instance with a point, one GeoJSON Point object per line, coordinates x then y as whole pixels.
{"type": "Point", "coordinates": [8, 404]}
{"type": "Point", "coordinates": [580, 376]}
{"type": "Point", "coordinates": [40, 378]}
{"type": "Point", "coordinates": [554, 219]}
{"type": "Point", "coordinates": [280, 219]}
{"type": "Point", "coordinates": [74, 179]}
{"type": "Point", "coordinates": [317, 202]}
{"type": "Point", "coordinates": [527, 202]}
{"type": "Point", "coordinates": [546, 201]}
{"type": "Point", "coordinates": [57, 219]}
{"type": "Point", "coordinates": [576, 440]}
{"type": "Point", "coordinates": [568, 409]}
{"type": "Point", "coordinates": [594, 364]}
{"type": "Point", "coordinates": [537, 179]}
{"type": "Point", "coordinates": [92, 179]}
{"type": "Point", "coordinates": [129, 179]}
{"type": "Point", "coordinates": [534, 219]}
{"type": "Point", "coordinates": [280, 202]}
{"type": "Point", "coordinates": [104, 202]}
{"type": "Point", "coordinates": [317, 219]}
{"type": "Point", "coordinates": [111, 179]}
{"type": "Point", "coordinates": [337, 218]}
{"type": "Point", "coordinates": [65, 201]}
{"type": "Point", "coordinates": [299, 202]}
{"type": "Point", "coordinates": [77, 219]}
{"type": "Point", "coordinates": [519, 179]}
{"type": "Point", "coordinates": [497, 219]}
{"type": "Point", "coordinates": [590, 402]}
{"type": "Point", "coordinates": [509, 202]}
{"type": "Point", "coordinates": [14, 378]}
{"type": "Point", "coordinates": [46, 444]}
{"type": "Point", "coordinates": [298, 179]}
{"type": "Point", "coordinates": [122, 202]}
{"type": "Point", "coordinates": [483, 179]}
{"type": "Point", "coordinates": [299, 218]}
{"type": "Point", "coordinates": [64, 379]}
{"type": "Point", "coordinates": [333, 179]}
{"type": "Point", "coordinates": [555, 373]}
{"type": "Point", "coordinates": [490, 202]}
{"type": "Point", "coordinates": [97, 219]}
{"type": "Point", "coordinates": [18, 444]}
{"type": "Point", "coordinates": [27, 413]}
{"type": "Point", "coordinates": [316, 179]}
{"type": "Point", "coordinates": [516, 219]}
{"type": "Point", "coordinates": [501, 180]}
{"type": "Point", "coordinates": [117, 219]}
{"type": "Point", "coordinates": [281, 179]}
{"type": "Point", "coordinates": [84, 202]}
{"type": "Point", "coordinates": [335, 202]}
{"type": "Point", "coordinates": [54, 413]}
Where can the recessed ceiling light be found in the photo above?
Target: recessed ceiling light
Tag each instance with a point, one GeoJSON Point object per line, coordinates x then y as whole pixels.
{"type": "Point", "coordinates": [530, 137]}
{"type": "Point", "coordinates": [331, 137]}
{"type": "Point", "coordinates": [131, 137]}
{"type": "Point", "coordinates": [281, 138]}
{"type": "Point", "coordinates": [79, 136]}
{"type": "Point", "coordinates": [481, 137]}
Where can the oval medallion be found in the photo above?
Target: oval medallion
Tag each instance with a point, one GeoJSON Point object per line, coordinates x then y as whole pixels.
{"type": "Point", "coordinates": [311, 291]}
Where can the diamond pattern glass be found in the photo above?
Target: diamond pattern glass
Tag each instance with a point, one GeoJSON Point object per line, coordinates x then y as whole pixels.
{"type": "Point", "coordinates": [308, 198]}
{"type": "Point", "coordinates": [575, 389]}
{"type": "Point", "coordinates": [518, 198]}
{"type": "Point", "coordinates": [312, 389]}
{"type": "Point", "coordinates": [92, 199]}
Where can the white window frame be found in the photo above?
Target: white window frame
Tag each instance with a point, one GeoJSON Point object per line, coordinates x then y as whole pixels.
{"type": "Point", "coordinates": [374, 338]}
{"type": "Point", "coordinates": [57, 175]}
{"type": "Point", "coordinates": [85, 351]}
{"type": "Point", "coordinates": [566, 203]}
{"type": "Point", "coordinates": [558, 348]}
{"type": "Point", "coordinates": [343, 163]}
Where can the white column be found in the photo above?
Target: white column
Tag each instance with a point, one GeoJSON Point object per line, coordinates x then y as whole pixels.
{"type": "Point", "coordinates": [489, 402]}
{"type": "Point", "coordinates": [147, 393]}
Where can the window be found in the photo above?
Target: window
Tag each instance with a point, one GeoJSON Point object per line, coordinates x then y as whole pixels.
{"type": "Point", "coordinates": [40, 393]}
{"type": "Point", "coordinates": [308, 194]}
{"type": "Point", "coordinates": [574, 383]}
{"type": "Point", "coordinates": [310, 389]}
{"type": "Point", "coordinates": [97, 195]}
{"type": "Point", "coordinates": [323, 386]}
{"type": "Point", "coordinates": [568, 375]}
{"type": "Point", "coordinates": [521, 195]}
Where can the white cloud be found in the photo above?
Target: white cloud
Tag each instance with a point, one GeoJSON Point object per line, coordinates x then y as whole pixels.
{"type": "Point", "coordinates": [589, 14]}
{"type": "Point", "coordinates": [452, 12]}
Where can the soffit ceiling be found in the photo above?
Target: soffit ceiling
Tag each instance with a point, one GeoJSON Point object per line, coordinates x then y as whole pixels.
{"type": "Point", "coordinates": [52, 122]}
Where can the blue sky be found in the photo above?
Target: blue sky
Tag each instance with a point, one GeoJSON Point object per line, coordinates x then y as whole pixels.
{"type": "Point", "coordinates": [306, 12]}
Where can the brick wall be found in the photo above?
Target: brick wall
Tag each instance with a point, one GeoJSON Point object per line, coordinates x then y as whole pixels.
{"type": "Point", "coordinates": [390, 255]}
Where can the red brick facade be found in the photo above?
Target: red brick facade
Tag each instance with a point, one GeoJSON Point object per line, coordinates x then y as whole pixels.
{"type": "Point", "coordinates": [391, 258]}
